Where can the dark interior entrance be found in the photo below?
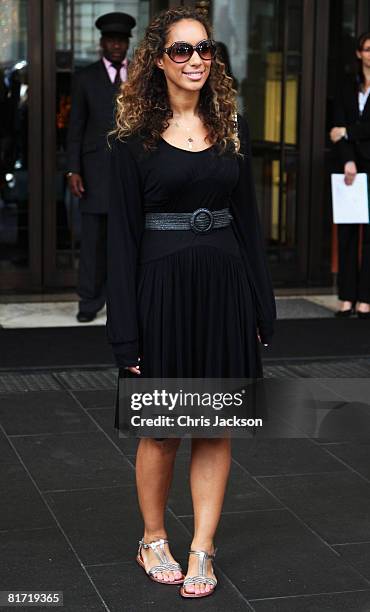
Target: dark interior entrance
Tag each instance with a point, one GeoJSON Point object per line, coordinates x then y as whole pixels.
{"type": "Point", "coordinates": [286, 56]}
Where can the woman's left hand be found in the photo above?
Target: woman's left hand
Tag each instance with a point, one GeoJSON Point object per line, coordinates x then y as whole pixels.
{"type": "Point", "coordinates": [337, 133]}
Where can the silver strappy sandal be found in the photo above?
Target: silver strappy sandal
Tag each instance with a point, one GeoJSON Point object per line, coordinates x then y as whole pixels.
{"type": "Point", "coordinates": [164, 566]}
{"type": "Point", "coordinates": [201, 577]}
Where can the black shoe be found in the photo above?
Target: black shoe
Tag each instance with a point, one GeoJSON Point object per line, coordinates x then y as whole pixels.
{"type": "Point", "coordinates": [85, 317]}
{"type": "Point", "coordinates": [343, 314]}
{"type": "Point", "coordinates": [363, 315]}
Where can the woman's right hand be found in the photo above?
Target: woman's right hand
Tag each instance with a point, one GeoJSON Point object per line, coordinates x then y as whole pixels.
{"type": "Point", "coordinates": [350, 172]}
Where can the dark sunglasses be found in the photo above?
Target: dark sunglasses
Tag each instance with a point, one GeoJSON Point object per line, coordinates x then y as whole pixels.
{"type": "Point", "coordinates": [181, 52]}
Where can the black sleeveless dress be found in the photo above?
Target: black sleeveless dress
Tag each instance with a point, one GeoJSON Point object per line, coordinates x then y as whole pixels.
{"type": "Point", "coordinates": [188, 304]}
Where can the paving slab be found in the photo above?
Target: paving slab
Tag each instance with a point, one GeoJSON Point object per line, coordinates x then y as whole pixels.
{"type": "Point", "coordinates": [74, 461]}
{"type": "Point", "coordinates": [354, 454]}
{"type": "Point", "coordinates": [105, 525]}
{"type": "Point", "coordinates": [335, 505]}
{"type": "Point", "coordinates": [354, 601]}
{"type": "Point", "coordinates": [269, 554]}
{"type": "Point", "coordinates": [39, 412]}
{"type": "Point", "coordinates": [126, 588]}
{"type": "Point", "coordinates": [41, 560]}
{"type": "Point", "coordinates": [284, 456]}
{"type": "Point", "coordinates": [22, 504]}
{"type": "Point", "coordinates": [358, 555]}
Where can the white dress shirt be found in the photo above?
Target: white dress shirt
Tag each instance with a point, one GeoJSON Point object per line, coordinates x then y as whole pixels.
{"type": "Point", "coordinates": [362, 97]}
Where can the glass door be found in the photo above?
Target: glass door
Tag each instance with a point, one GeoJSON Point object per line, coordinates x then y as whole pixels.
{"type": "Point", "coordinates": [20, 145]}
{"type": "Point", "coordinates": [71, 42]}
{"type": "Point", "coordinates": [265, 42]}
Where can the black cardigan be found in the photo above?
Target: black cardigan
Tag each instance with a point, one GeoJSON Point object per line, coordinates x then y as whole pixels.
{"type": "Point", "coordinates": [346, 114]}
{"type": "Point", "coordinates": [125, 227]}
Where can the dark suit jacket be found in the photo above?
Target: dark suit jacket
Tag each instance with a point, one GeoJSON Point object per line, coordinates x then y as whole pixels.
{"type": "Point", "coordinates": [346, 114]}
{"type": "Point", "coordinates": [92, 117]}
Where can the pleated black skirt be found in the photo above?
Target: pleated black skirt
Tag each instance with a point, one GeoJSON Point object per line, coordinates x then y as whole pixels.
{"type": "Point", "coordinates": [196, 316]}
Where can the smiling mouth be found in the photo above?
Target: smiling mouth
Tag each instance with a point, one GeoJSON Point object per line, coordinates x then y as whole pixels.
{"type": "Point", "coordinates": [194, 72]}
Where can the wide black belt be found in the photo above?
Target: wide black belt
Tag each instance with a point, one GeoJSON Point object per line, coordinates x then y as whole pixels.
{"type": "Point", "coordinates": [200, 221]}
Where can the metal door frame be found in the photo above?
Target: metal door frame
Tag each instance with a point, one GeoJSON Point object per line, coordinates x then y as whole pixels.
{"type": "Point", "coordinates": [316, 176]}
{"type": "Point", "coordinates": [53, 276]}
{"type": "Point", "coordinates": [295, 273]}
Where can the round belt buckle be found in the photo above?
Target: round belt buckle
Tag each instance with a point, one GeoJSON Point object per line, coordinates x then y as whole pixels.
{"type": "Point", "coordinates": [201, 220]}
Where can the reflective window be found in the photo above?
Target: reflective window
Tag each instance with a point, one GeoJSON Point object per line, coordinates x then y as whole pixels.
{"type": "Point", "coordinates": [264, 40]}
{"type": "Point", "coordinates": [14, 92]}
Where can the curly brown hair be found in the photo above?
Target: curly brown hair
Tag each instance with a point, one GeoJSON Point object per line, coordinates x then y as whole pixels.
{"type": "Point", "coordinates": [143, 107]}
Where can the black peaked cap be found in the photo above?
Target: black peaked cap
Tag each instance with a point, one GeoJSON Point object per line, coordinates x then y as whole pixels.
{"type": "Point", "coordinates": [116, 23]}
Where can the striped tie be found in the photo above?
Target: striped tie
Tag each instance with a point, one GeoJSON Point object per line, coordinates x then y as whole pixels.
{"type": "Point", "coordinates": [117, 79]}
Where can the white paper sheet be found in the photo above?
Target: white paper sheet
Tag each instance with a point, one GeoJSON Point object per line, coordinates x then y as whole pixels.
{"type": "Point", "coordinates": [350, 202]}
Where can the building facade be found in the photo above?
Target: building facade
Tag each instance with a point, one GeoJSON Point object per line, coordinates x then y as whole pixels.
{"type": "Point", "coordinates": [287, 57]}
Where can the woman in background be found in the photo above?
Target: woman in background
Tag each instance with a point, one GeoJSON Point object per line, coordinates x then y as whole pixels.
{"type": "Point", "coordinates": [351, 136]}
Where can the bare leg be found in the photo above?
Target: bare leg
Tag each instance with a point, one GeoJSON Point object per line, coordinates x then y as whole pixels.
{"type": "Point", "coordinates": [154, 469]}
{"type": "Point", "coordinates": [209, 471]}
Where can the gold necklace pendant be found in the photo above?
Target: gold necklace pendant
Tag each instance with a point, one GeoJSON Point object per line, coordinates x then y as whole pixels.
{"type": "Point", "coordinates": [189, 139]}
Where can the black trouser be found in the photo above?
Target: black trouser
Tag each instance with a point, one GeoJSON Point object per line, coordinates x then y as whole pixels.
{"type": "Point", "coordinates": [93, 262]}
{"type": "Point", "coordinates": [353, 279]}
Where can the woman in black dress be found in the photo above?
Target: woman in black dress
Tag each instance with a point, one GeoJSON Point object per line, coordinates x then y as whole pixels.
{"type": "Point", "coordinates": [192, 301]}
{"type": "Point", "coordinates": [351, 135]}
